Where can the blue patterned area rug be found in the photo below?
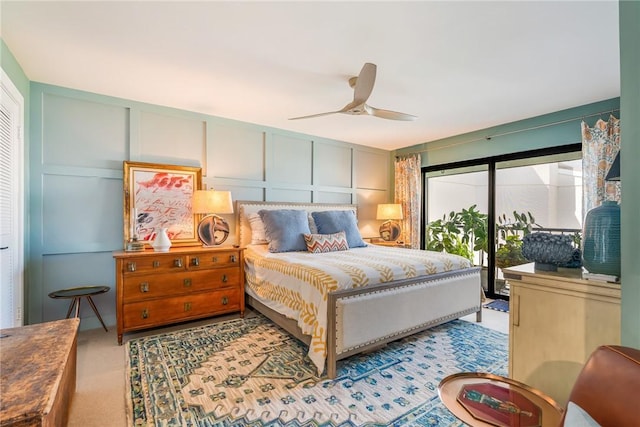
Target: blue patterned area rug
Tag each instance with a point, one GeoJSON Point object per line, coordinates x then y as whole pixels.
{"type": "Point", "coordinates": [249, 372]}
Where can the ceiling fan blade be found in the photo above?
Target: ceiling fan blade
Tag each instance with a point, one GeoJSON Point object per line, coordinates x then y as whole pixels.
{"type": "Point", "coordinates": [364, 84]}
{"type": "Point", "coordinates": [388, 114]}
{"type": "Point", "coordinates": [314, 115]}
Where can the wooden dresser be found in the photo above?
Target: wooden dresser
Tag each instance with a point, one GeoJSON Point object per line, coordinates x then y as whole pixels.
{"type": "Point", "coordinates": [557, 320]}
{"type": "Point", "coordinates": [160, 288]}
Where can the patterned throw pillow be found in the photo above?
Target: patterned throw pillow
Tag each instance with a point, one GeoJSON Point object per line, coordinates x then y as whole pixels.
{"type": "Point", "coordinates": [321, 243]}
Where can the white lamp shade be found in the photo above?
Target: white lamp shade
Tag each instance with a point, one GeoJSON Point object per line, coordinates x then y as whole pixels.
{"type": "Point", "coordinates": [389, 211]}
{"type": "Point", "coordinates": [212, 201]}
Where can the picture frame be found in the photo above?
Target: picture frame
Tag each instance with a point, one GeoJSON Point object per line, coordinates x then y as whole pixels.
{"type": "Point", "coordinates": [159, 196]}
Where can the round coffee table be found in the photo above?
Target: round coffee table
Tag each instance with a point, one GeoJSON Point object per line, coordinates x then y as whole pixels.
{"type": "Point", "coordinates": [480, 399]}
{"type": "Point", "coordinates": [76, 294]}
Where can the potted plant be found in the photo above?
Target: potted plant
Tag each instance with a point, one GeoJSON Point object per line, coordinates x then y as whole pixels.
{"type": "Point", "coordinates": [475, 231]}
{"type": "Point", "coordinates": [510, 233]}
{"type": "Point", "coordinates": [461, 233]}
{"type": "Point", "coordinates": [446, 235]}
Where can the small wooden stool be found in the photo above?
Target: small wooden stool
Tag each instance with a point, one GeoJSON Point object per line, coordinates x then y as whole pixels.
{"type": "Point", "coordinates": [77, 294]}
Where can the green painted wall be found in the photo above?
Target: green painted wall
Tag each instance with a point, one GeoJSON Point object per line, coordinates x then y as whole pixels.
{"type": "Point", "coordinates": [549, 130]}
{"type": "Point", "coordinates": [630, 173]}
{"type": "Point", "coordinates": [80, 139]}
{"type": "Point", "coordinates": [14, 70]}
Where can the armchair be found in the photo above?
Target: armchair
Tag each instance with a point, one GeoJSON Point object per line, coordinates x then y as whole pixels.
{"type": "Point", "coordinates": [607, 389]}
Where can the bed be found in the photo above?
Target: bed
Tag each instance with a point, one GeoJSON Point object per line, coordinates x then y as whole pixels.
{"type": "Point", "coordinates": [342, 300]}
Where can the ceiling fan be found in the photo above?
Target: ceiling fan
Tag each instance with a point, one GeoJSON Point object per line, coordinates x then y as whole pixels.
{"type": "Point", "coordinates": [362, 86]}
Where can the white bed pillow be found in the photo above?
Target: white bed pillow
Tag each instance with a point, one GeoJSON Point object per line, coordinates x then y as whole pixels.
{"type": "Point", "coordinates": [258, 234]}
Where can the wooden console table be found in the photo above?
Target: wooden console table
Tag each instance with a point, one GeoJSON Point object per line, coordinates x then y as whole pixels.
{"type": "Point", "coordinates": [38, 373]}
{"type": "Point", "coordinates": [557, 319]}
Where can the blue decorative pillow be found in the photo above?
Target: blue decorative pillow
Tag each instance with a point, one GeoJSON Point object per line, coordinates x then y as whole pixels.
{"type": "Point", "coordinates": [329, 222]}
{"type": "Point", "coordinates": [285, 229]}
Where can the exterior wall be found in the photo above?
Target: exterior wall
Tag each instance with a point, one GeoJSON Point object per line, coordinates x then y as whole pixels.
{"type": "Point", "coordinates": [78, 145]}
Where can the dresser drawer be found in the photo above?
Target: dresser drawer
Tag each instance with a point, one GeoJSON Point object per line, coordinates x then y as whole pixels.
{"type": "Point", "coordinates": [213, 260]}
{"type": "Point", "coordinates": [155, 312]}
{"type": "Point", "coordinates": [154, 264]}
{"type": "Point", "coordinates": [150, 286]}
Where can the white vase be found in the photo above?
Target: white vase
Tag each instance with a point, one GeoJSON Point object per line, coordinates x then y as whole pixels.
{"type": "Point", "coordinates": [161, 243]}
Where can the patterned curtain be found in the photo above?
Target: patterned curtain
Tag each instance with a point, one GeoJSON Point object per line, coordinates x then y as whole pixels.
{"type": "Point", "coordinates": [408, 193]}
{"type": "Point", "coordinates": [600, 144]}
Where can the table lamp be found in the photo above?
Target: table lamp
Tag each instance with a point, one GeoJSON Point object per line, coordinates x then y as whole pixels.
{"type": "Point", "coordinates": [389, 212]}
{"type": "Point", "coordinates": [212, 229]}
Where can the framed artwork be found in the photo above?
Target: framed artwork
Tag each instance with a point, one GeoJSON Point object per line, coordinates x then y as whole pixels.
{"type": "Point", "coordinates": [159, 196]}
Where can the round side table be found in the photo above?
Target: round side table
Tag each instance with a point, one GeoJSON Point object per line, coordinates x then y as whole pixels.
{"type": "Point", "coordinates": [76, 294]}
{"type": "Point", "coordinates": [484, 400]}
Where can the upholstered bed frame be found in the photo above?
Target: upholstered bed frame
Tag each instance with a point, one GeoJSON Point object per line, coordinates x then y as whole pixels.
{"type": "Point", "coordinates": [361, 319]}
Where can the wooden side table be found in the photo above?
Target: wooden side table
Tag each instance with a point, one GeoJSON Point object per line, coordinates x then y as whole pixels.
{"type": "Point", "coordinates": [380, 242]}
{"type": "Point", "coordinates": [480, 399]}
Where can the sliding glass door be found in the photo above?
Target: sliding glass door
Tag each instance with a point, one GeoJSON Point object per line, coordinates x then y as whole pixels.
{"type": "Point", "coordinates": [541, 193]}
{"type": "Point", "coordinates": [482, 209]}
{"type": "Point", "coordinates": [457, 200]}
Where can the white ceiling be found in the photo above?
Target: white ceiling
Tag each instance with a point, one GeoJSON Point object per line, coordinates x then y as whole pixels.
{"type": "Point", "coordinates": [458, 66]}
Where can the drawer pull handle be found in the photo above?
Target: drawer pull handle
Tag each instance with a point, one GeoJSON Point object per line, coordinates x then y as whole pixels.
{"type": "Point", "coordinates": [144, 287]}
{"type": "Point", "coordinates": [225, 300]}
{"type": "Point", "coordinates": [177, 262]}
{"type": "Point", "coordinates": [195, 261]}
{"type": "Point", "coordinates": [224, 278]}
{"type": "Point", "coordinates": [145, 313]}
{"type": "Point", "coordinates": [232, 258]}
{"type": "Point", "coordinates": [131, 266]}
{"type": "Point", "coordinates": [187, 306]}
{"type": "Point", "coordinates": [214, 259]}
{"type": "Point", "coordinates": [186, 282]}
{"type": "Point", "coordinates": [156, 264]}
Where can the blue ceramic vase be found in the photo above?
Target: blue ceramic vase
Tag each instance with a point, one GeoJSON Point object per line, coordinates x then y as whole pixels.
{"type": "Point", "coordinates": [601, 239]}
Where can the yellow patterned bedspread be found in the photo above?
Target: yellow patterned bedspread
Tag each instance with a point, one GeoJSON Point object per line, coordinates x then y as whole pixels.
{"type": "Point", "coordinates": [296, 284]}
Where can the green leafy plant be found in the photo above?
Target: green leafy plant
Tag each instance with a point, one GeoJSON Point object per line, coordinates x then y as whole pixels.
{"type": "Point", "coordinates": [464, 232]}
{"type": "Point", "coordinates": [475, 230]}
{"type": "Point", "coordinates": [446, 235]}
{"type": "Point", "coordinates": [510, 234]}
{"type": "Point", "coordinates": [459, 233]}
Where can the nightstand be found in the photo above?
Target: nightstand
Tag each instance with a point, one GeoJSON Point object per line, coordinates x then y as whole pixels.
{"type": "Point", "coordinates": [379, 242]}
